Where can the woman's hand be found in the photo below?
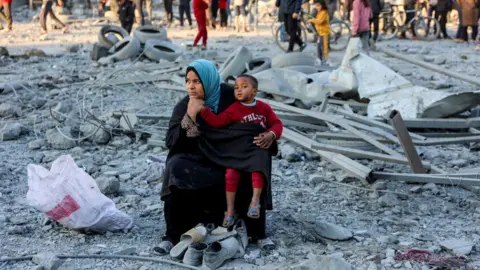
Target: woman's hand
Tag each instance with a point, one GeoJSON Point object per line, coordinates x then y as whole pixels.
{"type": "Point", "coordinates": [295, 15]}
{"type": "Point", "coordinates": [264, 140]}
{"type": "Point", "coordinates": [194, 107]}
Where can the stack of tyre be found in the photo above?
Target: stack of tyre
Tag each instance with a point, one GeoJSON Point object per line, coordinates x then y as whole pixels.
{"type": "Point", "coordinates": [115, 44]}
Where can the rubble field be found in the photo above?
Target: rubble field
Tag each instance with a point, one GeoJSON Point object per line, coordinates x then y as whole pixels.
{"type": "Point", "coordinates": [62, 96]}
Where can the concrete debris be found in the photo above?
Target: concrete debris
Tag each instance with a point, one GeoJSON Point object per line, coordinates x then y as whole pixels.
{"type": "Point", "coordinates": [36, 144]}
{"type": "Point", "coordinates": [10, 131]}
{"type": "Point", "coordinates": [332, 231]}
{"type": "Point", "coordinates": [48, 261]}
{"type": "Point", "coordinates": [3, 52]}
{"type": "Point", "coordinates": [325, 262]}
{"type": "Point", "coordinates": [95, 133]}
{"type": "Point", "coordinates": [9, 110]}
{"type": "Point", "coordinates": [58, 140]}
{"type": "Point", "coordinates": [457, 246]}
{"type": "Point", "coordinates": [108, 185]}
{"type": "Point", "coordinates": [34, 52]}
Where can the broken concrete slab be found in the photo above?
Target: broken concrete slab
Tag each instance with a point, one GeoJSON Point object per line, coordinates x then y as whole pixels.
{"type": "Point", "coordinates": [47, 260]}
{"type": "Point", "coordinates": [332, 231]}
{"type": "Point", "coordinates": [9, 110]}
{"type": "Point", "coordinates": [457, 246]}
{"type": "Point", "coordinates": [56, 138]}
{"type": "Point", "coordinates": [94, 133]}
{"type": "Point", "coordinates": [108, 185]}
{"type": "Point", "coordinates": [324, 263]}
{"type": "Point", "coordinates": [11, 131]}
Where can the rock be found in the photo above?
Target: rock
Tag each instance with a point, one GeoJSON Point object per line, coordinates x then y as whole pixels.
{"type": "Point", "coordinates": [388, 200]}
{"type": "Point", "coordinates": [424, 237]}
{"type": "Point", "coordinates": [388, 239]}
{"type": "Point", "coordinates": [390, 253]}
{"type": "Point", "coordinates": [37, 158]}
{"type": "Point", "coordinates": [77, 150]}
{"type": "Point", "coordinates": [37, 102]}
{"type": "Point", "coordinates": [98, 135]}
{"type": "Point", "coordinates": [57, 140]}
{"type": "Point", "coordinates": [4, 51]}
{"type": "Point", "coordinates": [416, 189]}
{"type": "Point", "coordinates": [439, 60]}
{"type": "Point", "coordinates": [252, 255]}
{"type": "Point", "coordinates": [108, 185]}
{"type": "Point", "coordinates": [428, 58]}
{"type": "Point", "coordinates": [120, 141]}
{"type": "Point", "coordinates": [10, 131]}
{"type": "Point", "coordinates": [430, 186]}
{"type": "Point", "coordinates": [332, 231]}
{"type": "Point", "coordinates": [458, 162]}
{"type": "Point", "coordinates": [47, 260]}
{"type": "Point", "coordinates": [9, 110]}
{"type": "Point", "coordinates": [36, 144]}
{"type": "Point", "coordinates": [34, 52]}
{"type": "Point", "coordinates": [289, 153]}
{"type": "Point", "coordinates": [125, 177]}
{"type": "Point", "coordinates": [73, 48]}
{"type": "Point", "coordinates": [457, 246]}
{"type": "Point", "coordinates": [127, 251]}
{"type": "Point", "coordinates": [326, 263]}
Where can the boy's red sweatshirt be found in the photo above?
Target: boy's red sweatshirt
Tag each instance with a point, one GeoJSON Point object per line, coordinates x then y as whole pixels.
{"type": "Point", "coordinates": [260, 113]}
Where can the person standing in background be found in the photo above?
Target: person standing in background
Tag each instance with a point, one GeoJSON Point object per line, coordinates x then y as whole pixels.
{"type": "Point", "coordinates": [168, 5]}
{"type": "Point", "coordinates": [139, 17]}
{"type": "Point", "coordinates": [376, 7]}
{"type": "Point", "coordinates": [126, 14]}
{"type": "Point", "coordinates": [240, 13]}
{"type": "Point", "coordinates": [362, 13]}
{"type": "Point", "coordinates": [6, 14]}
{"type": "Point", "coordinates": [200, 8]}
{"type": "Point", "coordinates": [409, 5]}
{"type": "Point", "coordinates": [214, 12]}
{"type": "Point", "coordinates": [442, 9]}
{"type": "Point", "coordinates": [291, 10]}
{"type": "Point", "coordinates": [322, 26]}
{"type": "Point", "coordinates": [223, 6]}
{"type": "Point", "coordinates": [184, 8]}
{"type": "Point", "coordinates": [148, 4]}
{"type": "Point", "coordinates": [469, 19]}
{"type": "Point", "coordinates": [48, 10]}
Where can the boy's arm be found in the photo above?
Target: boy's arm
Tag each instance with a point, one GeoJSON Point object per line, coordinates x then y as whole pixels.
{"type": "Point", "coordinates": [274, 123]}
{"type": "Point", "coordinates": [218, 120]}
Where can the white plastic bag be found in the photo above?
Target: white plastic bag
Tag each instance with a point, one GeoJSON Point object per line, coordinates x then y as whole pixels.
{"type": "Point", "coordinates": [70, 196]}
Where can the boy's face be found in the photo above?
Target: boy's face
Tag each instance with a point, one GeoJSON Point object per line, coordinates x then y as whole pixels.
{"type": "Point", "coordinates": [318, 6]}
{"type": "Point", "coordinates": [244, 91]}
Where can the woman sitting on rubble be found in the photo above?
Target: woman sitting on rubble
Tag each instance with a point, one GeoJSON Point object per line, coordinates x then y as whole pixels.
{"type": "Point", "coordinates": [193, 188]}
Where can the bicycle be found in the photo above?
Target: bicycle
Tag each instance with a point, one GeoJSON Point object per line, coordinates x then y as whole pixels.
{"type": "Point", "coordinates": [422, 24]}
{"type": "Point", "coordinates": [388, 25]}
{"type": "Point", "coordinates": [339, 36]}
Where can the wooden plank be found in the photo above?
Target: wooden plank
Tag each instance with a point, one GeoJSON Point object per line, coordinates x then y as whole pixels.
{"type": "Point", "coordinates": [427, 178]}
{"type": "Point", "coordinates": [406, 142]}
{"type": "Point", "coordinates": [368, 121]}
{"type": "Point", "coordinates": [354, 168]}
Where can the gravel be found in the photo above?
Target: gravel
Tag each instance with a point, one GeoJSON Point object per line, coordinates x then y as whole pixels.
{"type": "Point", "coordinates": [385, 220]}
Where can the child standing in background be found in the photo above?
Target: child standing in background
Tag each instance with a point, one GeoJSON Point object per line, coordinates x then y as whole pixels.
{"type": "Point", "coordinates": [200, 11]}
{"type": "Point", "coordinates": [362, 13]}
{"type": "Point", "coordinates": [322, 26]}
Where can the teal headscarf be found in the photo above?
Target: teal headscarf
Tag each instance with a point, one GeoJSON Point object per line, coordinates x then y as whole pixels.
{"type": "Point", "coordinates": [210, 78]}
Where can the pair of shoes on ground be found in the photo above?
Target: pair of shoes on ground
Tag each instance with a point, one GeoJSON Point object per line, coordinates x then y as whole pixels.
{"type": "Point", "coordinates": [207, 246]}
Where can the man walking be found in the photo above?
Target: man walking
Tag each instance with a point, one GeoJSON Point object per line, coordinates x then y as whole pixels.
{"type": "Point", "coordinates": [291, 10]}
{"type": "Point", "coordinates": [6, 14]}
{"type": "Point", "coordinates": [47, 10]}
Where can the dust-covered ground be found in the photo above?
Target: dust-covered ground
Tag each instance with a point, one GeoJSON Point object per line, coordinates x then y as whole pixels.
{"type": "Point", "coordinates": [386, 218]}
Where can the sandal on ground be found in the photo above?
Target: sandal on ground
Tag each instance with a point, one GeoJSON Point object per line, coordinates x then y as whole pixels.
{"type": "Point", "coordinates": [228, 221]}
{"type": "Point", "coordinates": [254, 211]}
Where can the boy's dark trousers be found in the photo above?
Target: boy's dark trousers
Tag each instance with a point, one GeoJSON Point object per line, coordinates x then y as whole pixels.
{"type": "Point", "coordinates": [184, 9]}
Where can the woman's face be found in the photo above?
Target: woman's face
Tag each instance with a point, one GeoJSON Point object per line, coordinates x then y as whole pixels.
{"type": "Point", "coordinates": [194, 85]}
